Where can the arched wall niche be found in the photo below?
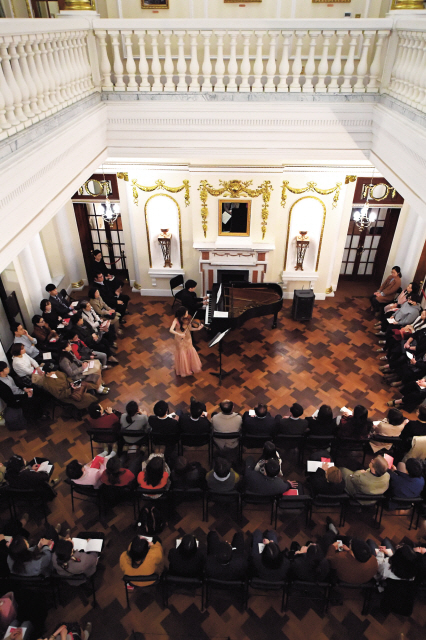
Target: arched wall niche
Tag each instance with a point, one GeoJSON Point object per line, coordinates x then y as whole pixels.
{"type": "Point", "coordinates": [306, 214]}
{"type": "Point", "coordinates": [163, 212]}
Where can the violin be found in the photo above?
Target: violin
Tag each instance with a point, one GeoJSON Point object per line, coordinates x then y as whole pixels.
{"type": "Point", "coordinates": [192, 322]}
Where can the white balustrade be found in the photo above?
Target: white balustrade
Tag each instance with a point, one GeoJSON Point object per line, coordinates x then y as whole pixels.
{"type": "Point", "coordinates": [45, 65]}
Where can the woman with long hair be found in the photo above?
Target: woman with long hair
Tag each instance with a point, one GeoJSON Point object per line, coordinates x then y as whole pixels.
{"type": "Point", "coordinates": [269, 451]}
{"type": "Point", "coordinates": [355, 425]}
{"type": "Point", "coordinates": [323, 423]}
{"type": "Point", "coordinates": [187, 362]}
{"type": "Point", "coordinates": [135, 419]}
{"type": "Point", "coordinates": [154, 475]}
{"type": "Point", "coordinates": [30, 561]}
{"type": "Point", "coordinates": [142, 558]}
{"type": "Point", "coordinates": [116, 475]}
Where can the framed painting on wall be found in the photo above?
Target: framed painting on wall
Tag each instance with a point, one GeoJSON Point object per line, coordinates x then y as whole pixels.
{"type": "Point", "coordinates": [234, 217]}
{"type": "Point", "coordinates": [155, 4]}
{"type": "Point", "coordinates": [331, 1]}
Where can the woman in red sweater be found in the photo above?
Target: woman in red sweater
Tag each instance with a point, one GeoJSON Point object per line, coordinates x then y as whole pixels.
{"type": "Point", "coordinates": [154, 476]}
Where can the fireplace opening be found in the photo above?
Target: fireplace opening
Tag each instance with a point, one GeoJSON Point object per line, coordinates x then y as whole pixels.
{"type": "Point", "coordinates": [225, 276]}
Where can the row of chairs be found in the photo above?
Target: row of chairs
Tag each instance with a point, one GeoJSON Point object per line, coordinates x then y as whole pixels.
{"type": "Point", "coordinates": [342, 503]}
{"type": "Point", "coordinates": [304, 443]}
{"type": "Point", "coordinates": [286, 589]}
{"type": "Point", "coordinates": [52, 585]}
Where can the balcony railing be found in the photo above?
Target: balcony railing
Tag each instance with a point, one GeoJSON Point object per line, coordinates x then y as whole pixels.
{"type": "Point", "coordinates": [46, 65]}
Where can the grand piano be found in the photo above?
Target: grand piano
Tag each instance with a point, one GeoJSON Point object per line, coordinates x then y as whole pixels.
{"type": "Point", "coordinates": [241, 301]}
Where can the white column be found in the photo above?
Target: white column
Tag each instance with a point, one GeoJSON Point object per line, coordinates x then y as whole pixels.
{"type": "Point", "coordinates": [220, 64]}
{"type": "Point", "coordinates": [245, 63]}
{"type": "Point", "coordinates": [308, 87]}
{"type": "Point", "coordinates": [143, 63]}
{"type": "Point", "coordinates": [258, 63]}
{"type": "Point", "coordinates": [271, 66]}
{"type": "Point", "coordinates": [207, 67]}
{"type": "Point", "coordinates": [411, 243]}
{"type": "Point", "coordinates": [349, 68]}
{"type": "Point", "coordinates": [39, 257]}
{"type": "Point", "coordinates": [69, 240]}
{"type": "Point", "coordinates": [118, 65]}
{"type": "Point", "coordinates": [104, 62]}
{"type": "Point", "coordinates": [336, 66]}
{"type": "Point", "coordinates": [130, 62]}
{"type": "Point", "coordinates": [168, 62]}
{"type": "Point", "coordinates": [194, 67]}
{"type": "Point", "coordinates": [155, 64]}
{"type": "Point", "coordinates": [232, 64]}
{"type": "Point", "coordinates": [297, 62]}
{"type": "Point", "coordinates": [361, 71]}
{"type": "Point", "coordinates": [29, 280]}
{"type": "Point", "coordinates": [321, 87]}
{"type": "Point", "coordinates": [284, 64]}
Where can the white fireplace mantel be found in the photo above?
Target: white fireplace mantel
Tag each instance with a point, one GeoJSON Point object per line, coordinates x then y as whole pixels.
{"type": "Point", "coordinates": [239, 254]}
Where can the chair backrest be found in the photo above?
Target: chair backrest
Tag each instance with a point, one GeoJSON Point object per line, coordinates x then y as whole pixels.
{"type": "Point", "coordinates": [226, 583]}
{"type": "Point", "coordinates": [254, 442]}
{"type": "Point", "coordinates": [140, 435]}
{"type": "Point", "coordinates": [363, 498]}
{"type": "Point", "coordinates": [176, 282]}
{"type": "Point", "coordinates": [103, 435]}
{"type": "Point", "coordinates": [257, 498]}
{"type": "Point", "coordinates": [194, 440]}
{"type": "Point", "coordinates": [290, 441]}
{"type": "Point", "coordinates": [226, 436]}
{"type": "Point", "coordinates": [314, 440]}
{"type": "Point", "coordinates": [350, 443]}
{"type": "Point", "coordinates": [153, 492]}
{"type": "Point", "coordinates": [167, 439]}
{"type": "Point", "coordinates": [292, 501]}
{"type": "Point", "coordinates": [418, 448]}
{"type": "Point", "coordinates": [84, 489]}
{"type": "Point", "coordinates": [226, 496]}
{"type": "Point", "coordinates": [154, 577]}
{"type": "Point", "coordinates": [167, 577]}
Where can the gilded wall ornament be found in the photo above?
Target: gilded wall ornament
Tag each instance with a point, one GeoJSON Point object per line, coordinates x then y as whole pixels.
{"type": "Point", "coordinates": [235, 189]}
{"type": "Point", "coordinates": [321, 234]}
{"type": "Point", "coordinates": [159, 184]}
{"type": "Point", "coordinates": [311, 186]}
{"type": "Point", "coordinates": [123, 175]}
{"type": "Point", "coordinates": [349, 179]}
{"type": "Point", "coordinates": [164, 195]}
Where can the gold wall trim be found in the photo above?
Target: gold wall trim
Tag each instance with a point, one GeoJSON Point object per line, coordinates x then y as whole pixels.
{"type": "Point", "coordinates": [29, 10]}
{"type": "Point", "coordinates": [322, 230]}
{"type": "Point", "coordinates": [137, 286]}
{"type": "Point", "coordinates": [159, 184]}
{"type": "Point", "coordinates": [408, 4]}
{"type": "Point", "coordinates": [156, 195]}
{"type": "Point", "coordinates": [235, 189]}
{"type": "Point", "coordinates": [349, 179]}
{"type": "Point", "coordinates": [311, 186]}
{"type": "Point", "coordinates": [123, 175]}
{"type": "Point", "coordinates": [77, 285]}
{"type": "Point", "coordinates": [329, 290]}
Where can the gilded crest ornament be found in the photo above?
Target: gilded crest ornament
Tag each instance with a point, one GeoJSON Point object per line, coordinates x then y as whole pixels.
{"type": "Point", "coordinates": [311, 186]}
{"type": "Point", "coordinates": [235, 189]}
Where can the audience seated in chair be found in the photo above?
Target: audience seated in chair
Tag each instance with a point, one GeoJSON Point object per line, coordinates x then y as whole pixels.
{"type": "Point", "coordinates": [23, 365]}
{"type": "Point", "coordinates": [309, 563]}
{"type": "Point", "coordinates": [26, 399]}
{"type": "Point", "coordinates": [371, 481]}
{"type": "Point", "coordinates": [154, 475]}
{"type": "Point", "coordinates": [100, 418]}
{"type": "Point", "coordinates": [50, 316]}
{"type": "Point", "coordinates": [326, 481]}
{"type": "Point", "coordinates": [260, 424]}
{"type": "Point", "coordinates": [268, 484]}
{"type": "Point", "coordinates": [22, 337]}
{"type": "Point", "coordinates": [391, 426]}
{"type": "Point", "coordinates": [24, 560]}
{"type": "Point", "coordinates": [387, 290]}
{"type": "Point", "coordinates": [103, 310]}
{"type": "Point", "coordinates": [89, 474]}
{"type": "Point", "coordinates": [187, 560]}
{"type": "Point", "coordinates": [226, 422]}
{"type": "Point", "coordinates": [161, 423]}
{"type": "Point", "coordinates": [142, 558]}
{"type": "Point", "coordinates": [57, 384]}
{"type": "Point", "coordinates": [269, 564]}
{"type": "Point", "coordinates": [83, 352]}
{"type": "Point", "coordinates": [323, 423]}
{"type": "Point", "coordinates": [195, 422]}
{"type": "Point", "coordinates": [356, 425]}
{"type": "Point", "coordinates": [226, 561]}
{"type": "Point", "coordinates": [135, 419]}
{"type": "Point", "coordinates": [222, 477]}
{"type": "Point", "coordinates": [76, 369]}
{"type": "Point", "coordinates": [187, 475]}
{"type": "Point", "coordinates": [397, 570]}
{"type": "Point", "coordinates": [117, 475]}
{"type": "Point", "coordinates": [47, 338]}
{"type": "Point", "coordinates": [20, 475]}
{"type": "Point", "coordinates": [58, 301]}
{"type": "Point", "coordinates": [270, 452]}
{"type": "Point", "coordinates": [294, 424]}
{"type": "Point", "coordinates": [406, 481]}
{"type": "Point", "coordinates": [414, 427]}
{"type": "Point", "coordinates": [67, 561]}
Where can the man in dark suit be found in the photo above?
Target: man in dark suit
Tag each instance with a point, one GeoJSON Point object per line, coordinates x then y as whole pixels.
{"type": "Point", "coordinates": [161, 423]}
{"type": "Point", "coordinates": [111, 293]}
{"type": "Point", "coordinates": [31, 401]}
{"type": "Point", "coordinates": [58, 302]}
{"type": "Point", "coordinates": [187, 560]}
{"type": "Point", "coordinates": [266, 485]}
{"type": "Point", "coordinates": [294, 424]}
{"type": "Point", "coordinates": [414, 428]}
{"type": "Point", "coordinates": [195, 422]}
{"type": "Point", "coordinates": [226, 561]}
{"type": "Point", "coordinates": [99, 266]}
{"type": "Point", "coordinates": [188, 298]}
{"type": "Point", "coordinates": [259, 424]}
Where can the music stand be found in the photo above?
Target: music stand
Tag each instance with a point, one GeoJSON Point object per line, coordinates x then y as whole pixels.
{"type": "Point", "coordinates": [218, 339]}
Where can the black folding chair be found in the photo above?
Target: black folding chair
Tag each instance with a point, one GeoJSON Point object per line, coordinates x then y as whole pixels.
{"type": "Point", "coordinates": [87, 493]}
{"type": "Point", "coordinates": [195, 440]}
{"type": "Point", "coordinates": [285, 442]}
{"type": "Point", "coordinates": [23, 584]}
{"type": "Point", "coordinates": [175, 282]}
{"type": "Point", "coordinates": [102, 436]}
{"type": "Point", "coordinates": [31, 496]}
{"type": "Point", "coordinates": [170, 441]}
{"type": "Point", "coordinates": [267, 585]}
{"type": "Point", "coordinates": [366, 502]}
{"type": "Point", "coordinates": [413, 504]}
{"type": "Point", "coordinates": [249, 441]}
{"type": "Point", "coordinates": [140, 581]}
{"type": "Point", "coordinates": [62, 581]}
{"type": "Point", "coordinates": [177, 496]}
{"type": "Point", "coordinates": [236, 435]}
{"type": "Point", "coordinates": [292, 503]}
{"type": "Point", "coordinates": [110, 495]}
{"type": "Point", "coordinates": [141, 439]}
{"type": "Point", "coordinates": [317, 443]}
{"type": "Point", "coordinates": [229, 585]}
{"type": "Point", "coordinates": [397, 447]}
{"type": "Point", "coordinates": [146, 495]}
{"type": "Point", "coordinates": [171, 583]}
{"type": "Point", "coordinates": [312, 590]}
{"type": "Point", "coordinates": [349, 445]}
{"type": "Point", "coordinates": [367, 589]}
{"type": "Point", "coordinates": [326, 503]}
{"type": "Point", "coordinates": [248, 497]}
{"type": "Point", "coordinates": [228, 497]}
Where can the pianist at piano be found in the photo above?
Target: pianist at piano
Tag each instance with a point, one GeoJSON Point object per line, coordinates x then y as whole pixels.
{"type": "Point", "coordinates": [188, 297]}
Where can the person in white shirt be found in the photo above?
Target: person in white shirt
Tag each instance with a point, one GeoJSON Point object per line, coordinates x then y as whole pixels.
{"type": "Point", "coordinates": [22, 337]}
{"type": "Point", "coordinates": [23, 364]}
{"type": "Point", "coordinates": [87, 474]}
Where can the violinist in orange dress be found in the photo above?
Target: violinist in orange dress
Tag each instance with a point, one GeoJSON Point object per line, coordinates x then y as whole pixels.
{"type": "Point", "coordinates": [187, 362]}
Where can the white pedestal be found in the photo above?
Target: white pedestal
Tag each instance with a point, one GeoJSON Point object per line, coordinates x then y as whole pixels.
{"type": "Point", "coordinates": [78, 14]}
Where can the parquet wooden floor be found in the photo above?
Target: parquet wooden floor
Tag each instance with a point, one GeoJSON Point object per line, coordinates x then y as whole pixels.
{"type": "Point", "coordinates": [329, 359]}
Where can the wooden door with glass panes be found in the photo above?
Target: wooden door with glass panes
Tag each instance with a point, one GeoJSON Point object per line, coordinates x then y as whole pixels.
{"type": "Point", "coordinates": [108, 237]}
{"type": "Point", "coordinates": [366, 251]}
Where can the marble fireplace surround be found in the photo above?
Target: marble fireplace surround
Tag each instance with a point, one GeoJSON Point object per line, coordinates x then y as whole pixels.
{"type": "Point", "coordinates": [239, 254]}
